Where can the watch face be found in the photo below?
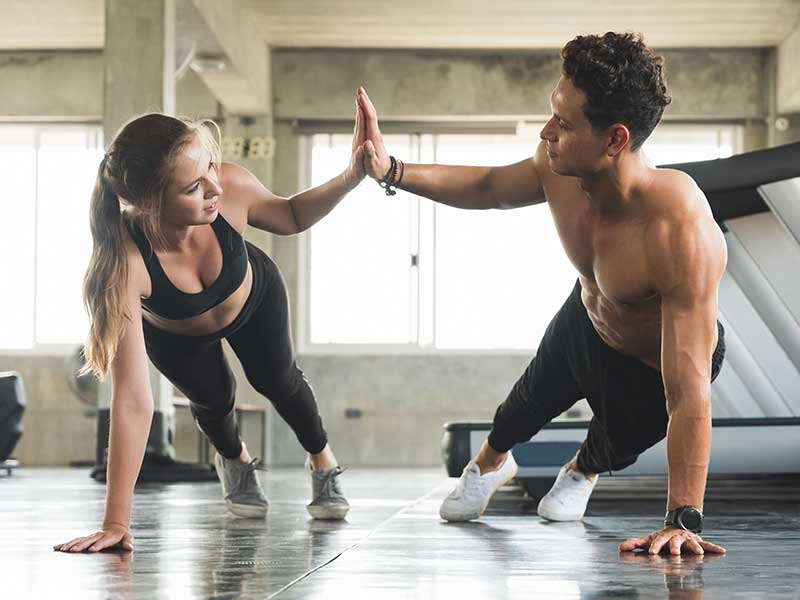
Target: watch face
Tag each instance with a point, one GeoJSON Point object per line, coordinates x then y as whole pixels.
{"type": "Point", "coordinates": [690, 518]}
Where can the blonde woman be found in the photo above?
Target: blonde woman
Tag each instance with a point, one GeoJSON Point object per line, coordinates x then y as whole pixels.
{"type": "Point", "coordinates": [171, 276]}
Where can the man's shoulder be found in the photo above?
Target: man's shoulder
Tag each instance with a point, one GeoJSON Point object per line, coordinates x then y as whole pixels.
{"type": "Point", "coordinates": [682, 236]}
{"type": "Point", "coordinates": [674, 201]}
{"type": "Point", "coordinates": [677, 185]}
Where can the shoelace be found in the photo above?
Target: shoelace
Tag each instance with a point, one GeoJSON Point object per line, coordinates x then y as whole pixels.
{"type": "Point", "coordinates": [329, 481]}
{"type": "Point", "coordinates": [472, 485]}
{"type": "Point", "coordinates": [577, 489]}
{"type": "Point", "coordinates": [247, 475]}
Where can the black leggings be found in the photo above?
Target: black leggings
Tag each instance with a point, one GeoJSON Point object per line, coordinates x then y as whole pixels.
{"type": "Point", "coordinates": [261, 339]}
{"type": "Point", "coordinates": [573, 362]}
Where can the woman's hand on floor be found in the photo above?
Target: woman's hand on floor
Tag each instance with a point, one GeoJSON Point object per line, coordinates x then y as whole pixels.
{"type": "Point", "coordinates": [110, 535]}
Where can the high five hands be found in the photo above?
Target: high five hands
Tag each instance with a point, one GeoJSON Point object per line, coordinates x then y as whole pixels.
{"type": "Point", "coordinates": [369, 156]}
{"type": "Point", "coordinates": [355, 170]}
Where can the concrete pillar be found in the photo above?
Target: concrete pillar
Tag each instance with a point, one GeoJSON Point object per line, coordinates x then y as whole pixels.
{"type": "Point", "coordinates": [139, 61]}
{"type": "Point", "coordinates": [783, 126]}
{"type": "Point", "coordinates": [788, 85]}
{"type": "Point", "coordinates": [139, 77]}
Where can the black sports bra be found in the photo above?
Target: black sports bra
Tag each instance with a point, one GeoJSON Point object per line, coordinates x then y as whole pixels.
{"type": "Point", "coordinates": [167, 301]}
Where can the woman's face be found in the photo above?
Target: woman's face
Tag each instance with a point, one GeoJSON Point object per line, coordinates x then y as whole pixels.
{"type": "Point", "coordinates": [192, 193]}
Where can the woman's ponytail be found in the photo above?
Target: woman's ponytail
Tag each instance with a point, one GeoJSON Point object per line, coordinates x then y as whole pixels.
{"type": "Point", "coordinates": [105, 283]}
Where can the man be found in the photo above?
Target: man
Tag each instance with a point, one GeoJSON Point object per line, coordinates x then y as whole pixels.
{"type": "Point", "coordinates": [638, 336]}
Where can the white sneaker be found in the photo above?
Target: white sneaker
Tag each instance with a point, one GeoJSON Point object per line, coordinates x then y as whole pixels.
{"type": "Point", "coordinates": [567, 499]}
{"type": "Point", "coordinates": [473, 491]}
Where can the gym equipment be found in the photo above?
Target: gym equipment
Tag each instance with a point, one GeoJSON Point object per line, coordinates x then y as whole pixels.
{"type": "Point", "coordinates": [740, 447]}
{"type": "Point", "coordinates": [159, 462]}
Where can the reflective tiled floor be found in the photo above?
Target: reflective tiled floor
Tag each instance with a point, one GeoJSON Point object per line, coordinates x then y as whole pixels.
{"type": "Point", "coordinates": [392, 545]}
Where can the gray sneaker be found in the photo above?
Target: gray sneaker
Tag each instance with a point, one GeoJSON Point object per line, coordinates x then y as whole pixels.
{"type": "Point", "coordinates": [327, 502]}
{"type": "Point", "coordinates": [240, 487]}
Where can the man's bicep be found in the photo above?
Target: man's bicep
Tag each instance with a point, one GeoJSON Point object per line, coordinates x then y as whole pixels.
{"type": "Point", "coordinates": [688, 263]}
{"type": "Point", "coordinates": [516, 185]}
{"type": "Point", "coordinates": [688, 335]}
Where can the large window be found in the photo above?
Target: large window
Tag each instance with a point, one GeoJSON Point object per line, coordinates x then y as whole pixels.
{"type": "Point", "coordinates": [47, 172]}
{"type": "Point", "coordinates": [403, 274]}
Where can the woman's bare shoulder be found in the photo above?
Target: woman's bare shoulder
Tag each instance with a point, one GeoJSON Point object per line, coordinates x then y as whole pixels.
{"type": "Point", "coordinates": [237, 185]}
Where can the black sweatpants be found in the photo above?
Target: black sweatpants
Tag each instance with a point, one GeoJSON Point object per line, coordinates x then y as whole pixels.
{"type": "Point", "coordinates": [261, 338]}
{"type": "Point", "coordinates": [573, 362]}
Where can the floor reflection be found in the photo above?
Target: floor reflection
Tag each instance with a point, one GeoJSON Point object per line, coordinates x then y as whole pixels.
{"type": "Point", "coordinates": [393, 545]}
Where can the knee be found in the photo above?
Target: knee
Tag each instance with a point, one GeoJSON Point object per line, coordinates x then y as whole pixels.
{"type": "Point", "coordinates": [278, 384]}
{"type": "Point", "coordinates": [205, 415]}
{"type": "Point", "coordinates": [216, 405]}
{"type": "Point", "coordinates": [518, 399]}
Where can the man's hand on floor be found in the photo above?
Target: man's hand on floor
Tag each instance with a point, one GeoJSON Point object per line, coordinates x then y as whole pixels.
{"type": "Point", "coordinates": [673, 540]}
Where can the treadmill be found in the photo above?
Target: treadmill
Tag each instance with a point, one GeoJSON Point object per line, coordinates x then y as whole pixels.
{"type": "Point", "coordinates": [755, 199]}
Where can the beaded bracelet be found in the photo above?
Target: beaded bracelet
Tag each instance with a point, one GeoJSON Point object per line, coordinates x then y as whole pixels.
{"type": "Point", "coordinates": [388, 180]}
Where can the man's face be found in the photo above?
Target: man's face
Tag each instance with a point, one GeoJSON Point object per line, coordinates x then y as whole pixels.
{"type": "Point", "coordinates": [574, 148]}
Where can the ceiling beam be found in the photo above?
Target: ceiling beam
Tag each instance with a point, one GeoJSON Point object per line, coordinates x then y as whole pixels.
{"type": "Point", "coordinates": [243, 86]}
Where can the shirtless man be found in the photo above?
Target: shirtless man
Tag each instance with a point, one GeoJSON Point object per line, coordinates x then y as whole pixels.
{"type": "Point", "coordinates": [638, 336]}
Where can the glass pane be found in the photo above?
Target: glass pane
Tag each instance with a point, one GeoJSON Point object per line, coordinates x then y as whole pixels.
{"type": "Point", "coordinates": [360, 273]}
{"type": "Point", "coordinates": [500, 275]}
{"type": "Point", "coordinates": [18, 174]}
{"type": "Point", "coordinates": [68, 160]}
{"type": "Point", "coordinates": [669, 144]}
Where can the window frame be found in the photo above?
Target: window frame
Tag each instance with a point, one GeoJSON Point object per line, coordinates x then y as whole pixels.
{"type": "Point", "coordinates": [40, 349]}
{"type": "Point", "coordinates": [305, 133]}
{"type": "Point", "coordinates": [304, 343]}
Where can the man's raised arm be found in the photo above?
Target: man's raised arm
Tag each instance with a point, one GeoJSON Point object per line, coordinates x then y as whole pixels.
{"type": "Point", "coordinates": [478, 188]}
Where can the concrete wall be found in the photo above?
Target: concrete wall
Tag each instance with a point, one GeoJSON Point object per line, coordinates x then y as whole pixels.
{"type": "Point", "coordinates": [406, 399]}
{"type": "Point", "coordinates": [403, 399]}
{"type": "Point", "coordinates": [52, 84]}
{"type": "Point", "coordinates": [69, 85]}
{"type": "Point", "coordinates": [715, 84]}
{"type": "Point", "coordinates": [792, 133]}
{"type": "Point", "coordinates": [58, 428]}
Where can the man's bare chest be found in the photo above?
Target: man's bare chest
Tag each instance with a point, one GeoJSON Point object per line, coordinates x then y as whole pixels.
{"type": "Point", "coordinates": [610, 255]}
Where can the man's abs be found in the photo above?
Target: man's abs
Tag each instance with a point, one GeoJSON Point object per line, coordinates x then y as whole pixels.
{"type": "Point", "coordinates": [631, 328]}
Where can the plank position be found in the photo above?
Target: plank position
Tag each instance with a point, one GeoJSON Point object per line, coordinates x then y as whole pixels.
{"type": "Point", "coordinates": [638, 337]}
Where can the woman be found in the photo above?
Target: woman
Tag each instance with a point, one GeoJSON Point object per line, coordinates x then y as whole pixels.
{"type": "Point", "coordinates": [170, 276]}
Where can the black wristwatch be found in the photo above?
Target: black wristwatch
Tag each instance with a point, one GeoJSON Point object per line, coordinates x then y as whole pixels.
{"type": "Point", "coordinates": [685, 517]}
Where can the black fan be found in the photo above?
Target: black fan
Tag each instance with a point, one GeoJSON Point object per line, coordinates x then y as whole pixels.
{"type": "Point", "coordinates": [83, 386]}
{"type": "Point", "coordinates": [12, 405]}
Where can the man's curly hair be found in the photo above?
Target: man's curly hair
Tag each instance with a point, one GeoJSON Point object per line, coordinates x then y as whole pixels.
{"type": "Point", "coordinates": [622, 79]}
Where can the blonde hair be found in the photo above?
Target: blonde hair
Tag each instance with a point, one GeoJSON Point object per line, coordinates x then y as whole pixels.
{"type": "Point", "coordinates": [130, 186]}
